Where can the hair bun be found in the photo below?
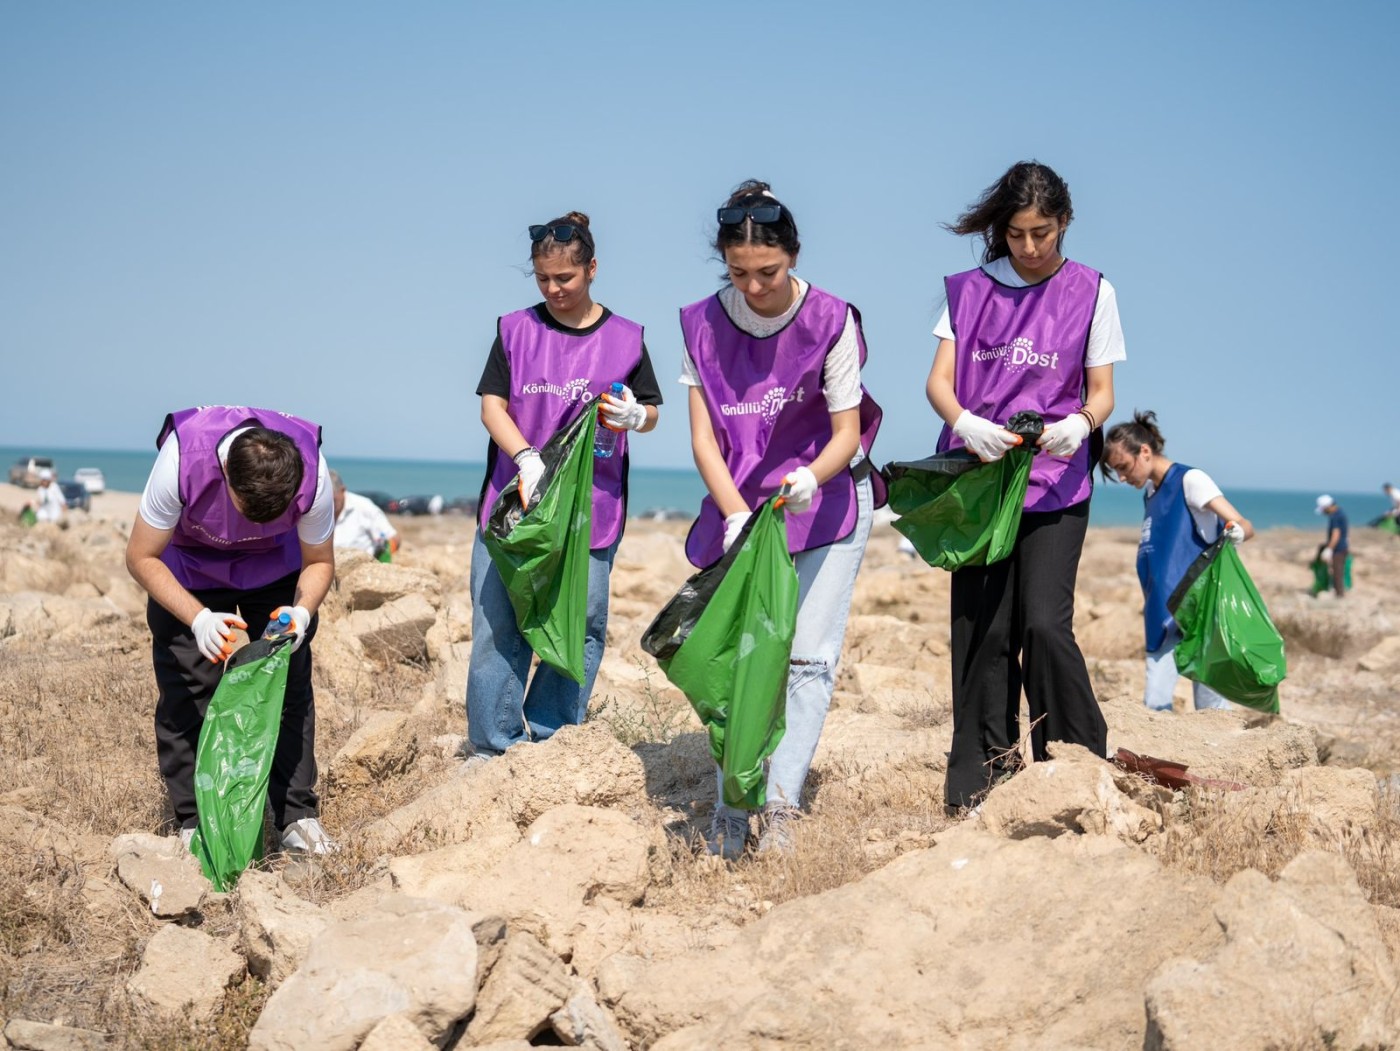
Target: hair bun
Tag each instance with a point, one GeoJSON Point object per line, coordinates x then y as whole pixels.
{"type": "Point", "coordinates": [750, 188]}
{"type": "Point", "coordinates": [578, 219]}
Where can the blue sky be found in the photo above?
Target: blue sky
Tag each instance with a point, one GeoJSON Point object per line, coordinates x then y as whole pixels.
{"type": "Point", "coordinates": [321, 207]}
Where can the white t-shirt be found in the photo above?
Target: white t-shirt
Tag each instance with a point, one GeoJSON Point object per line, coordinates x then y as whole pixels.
{"type": "Point", "coordinates": [1105, 331]}
{"type": "Point", "coordinates": [1199, 489]}
{"type": "Point", "coordinates": [841, 374]}
{"type": "Point", "coordinates": [361, 523]}
{"type": "Point", "coordinates": [51, 503]}
{"type": "Point", "coordinates": [161, 505]}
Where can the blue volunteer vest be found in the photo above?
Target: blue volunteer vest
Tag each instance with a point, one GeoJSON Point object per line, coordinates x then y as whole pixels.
{"type": "Point", "coordinates": [1170, 543]}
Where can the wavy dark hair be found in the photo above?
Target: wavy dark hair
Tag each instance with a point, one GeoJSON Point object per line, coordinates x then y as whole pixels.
{"type": "Point", "coordinates": [1141, 430]}
{"type": "Point", "coordinates": [264, 470]}
{"type": "Point", "coordinates": [779, 234]}
{"type": "Point", "coordinates": [580, 247]}
{"type": "Point", "coordinates": [1026, 184]}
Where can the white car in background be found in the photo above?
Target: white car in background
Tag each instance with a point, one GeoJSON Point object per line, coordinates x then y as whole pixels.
{"type": "Point", "coordinates": [90, 478]}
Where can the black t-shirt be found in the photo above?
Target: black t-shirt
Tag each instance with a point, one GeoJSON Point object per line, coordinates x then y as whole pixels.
{"type": "Point", "coordinates": [495, 378]}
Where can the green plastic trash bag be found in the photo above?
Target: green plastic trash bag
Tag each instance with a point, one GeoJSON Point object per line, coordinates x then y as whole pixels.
{"type": "Point", "coordinates": [27, 517]}
{"type": "Point", "coordinates": [1387, 524]}
{"type": "Point", "coordinates": [958, 511]}
{"type": "Point", "coordinates": [234, 759]}
{"type": "Point", "coordinates": [1322, 575]}
{"type": "Point", "coordinates": [1228, 642]}
{"type": "Point", "coordinates": [542, 554]}
{"type": "Point", "coordinates": [725, 640]}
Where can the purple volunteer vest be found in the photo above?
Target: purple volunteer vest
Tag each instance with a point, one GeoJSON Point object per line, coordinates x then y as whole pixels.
{"type": "Point", "coordinates": [551, 374]}
{"type": "Point", "coordinates": [764, 396]}
{"type": "Point", "coordinates": [1023, 348]}
{"type": "Point", "coordinates": [214, 546]}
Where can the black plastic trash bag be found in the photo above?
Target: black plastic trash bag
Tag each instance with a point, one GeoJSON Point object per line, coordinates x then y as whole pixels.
{"type": "Point", "coordinates": [542, 552]}
{"type": "Point", "coordinates": [234, 759]}
{"type": "Point", "coordinates": [958, 511]}
{"type": "Point", "coordinates": [1228, 642]}
{"type": "Point", "coordinates": [725, 640]}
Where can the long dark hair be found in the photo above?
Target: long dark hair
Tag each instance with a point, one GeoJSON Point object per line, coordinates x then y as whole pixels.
{"type": "Point", "coordinates": [779, 234]}
{"type": "Point", "coordinates": [1026, 184]}
{"type": "Point", "coordinates": [1142, 430]}
{"type": "Point", "coordinates": [580, 248]}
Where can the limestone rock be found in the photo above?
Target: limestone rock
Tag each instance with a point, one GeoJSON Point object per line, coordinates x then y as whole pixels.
{"type": "Point", "coordinates": [1303, 964]}
{"type": "Point", "coordinates": [527, 986]}
{"type": "Point", "coordinates": [162, 871]}
{"type": "Point", "coordinates": [404, 956]}
{"type": "Point", "coordinates": [918, 697]}
{"type": "Point", "coordinates": [396, 1033]}
{"type": "Point", "coordinates": [40, 1036]}
{"type": "Point", "coordinates": [581, 1022]}
{"type": "Point", "coordinates": [370, 584]}
{"type": "Point", "coordinates": [184, 973]}
{"type": "Point", "coordinates": [1330, 631]}
{"type": "Point", "coordinates": [1073, 791]}
{"type": "Point", "coordinates": [383, 747]}
{"type": "Point", "coordinates": [395, 631]}
{"type": "Point", "coordinates": [580, 764]}
{"type": "Point", "coordinates": [276, 927]}
{"type": "Point", "coordinates": [453, 625]}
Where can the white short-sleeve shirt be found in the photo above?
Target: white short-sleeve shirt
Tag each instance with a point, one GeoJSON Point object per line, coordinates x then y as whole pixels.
{"type": "Point", "coordinates": [161, 505]}
{"type": "Point", "coordinates": [1199, 489]}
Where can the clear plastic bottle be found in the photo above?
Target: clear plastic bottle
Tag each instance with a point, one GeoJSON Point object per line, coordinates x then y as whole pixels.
{"type": "Point", "coordinates": [605, 440]}
{"type": "Point", "coordinates": [279, 625]}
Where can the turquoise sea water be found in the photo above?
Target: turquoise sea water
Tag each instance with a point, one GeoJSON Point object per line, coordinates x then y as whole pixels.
{"type": "Point", "coordinates": [673, 488]}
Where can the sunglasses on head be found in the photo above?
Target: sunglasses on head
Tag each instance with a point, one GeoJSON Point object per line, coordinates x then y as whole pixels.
{"type": "Point", "coordinates": [563, 233]}
{"type": "Point", "coordinates": [759, 213]}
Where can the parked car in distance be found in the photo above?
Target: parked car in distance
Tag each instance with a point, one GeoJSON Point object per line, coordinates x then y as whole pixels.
{"type": "Point", "coordinates": [415, 505]}
{"type": "Point", "coordinates": [91, 479]}
{"type": "Point", "coordinates": [461, 505]}
{"type": "Point", "coordinates": [378, 499]}
{"type": "Point", "coordinates": [75, 495]}
{"type": "Point", "coordinates": [25, 471]}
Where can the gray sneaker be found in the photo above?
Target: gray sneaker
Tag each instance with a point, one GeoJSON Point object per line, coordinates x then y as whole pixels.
{"type": "Point", "coordinates": [779, 828]}
{"type": "Point", "coordinates": [729, 832]}
{"type": "Point", "coordinates": [308, 837]}
{"type": "Point", "coordinates": [187, 834]}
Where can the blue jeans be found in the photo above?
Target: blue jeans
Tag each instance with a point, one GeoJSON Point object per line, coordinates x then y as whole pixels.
{"type": "Point", "coordinates": [826, 576]}
{"type": "Point", "coordinates": [1162, 676]}
{"type": "Point", "coordinates": [500, 712]}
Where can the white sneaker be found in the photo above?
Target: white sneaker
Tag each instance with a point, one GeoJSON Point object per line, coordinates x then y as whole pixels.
{"type": "Point", "coordinates": [308, 837]}
{"type": "Point", "coordinates": [186, 835]}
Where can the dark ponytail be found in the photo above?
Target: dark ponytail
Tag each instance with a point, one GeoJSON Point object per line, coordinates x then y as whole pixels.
{"type": "Point", "coordinates": [1143, 430]}
{"type": "Point", "coordinates": [1026, 184]}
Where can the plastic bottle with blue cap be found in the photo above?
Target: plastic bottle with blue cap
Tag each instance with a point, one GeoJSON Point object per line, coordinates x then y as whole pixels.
{"type": "Point", "coordinates": [605, 439]}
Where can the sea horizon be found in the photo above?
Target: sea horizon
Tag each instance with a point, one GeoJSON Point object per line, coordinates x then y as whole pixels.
{"type": "Point", "coordinates": [679, 490]}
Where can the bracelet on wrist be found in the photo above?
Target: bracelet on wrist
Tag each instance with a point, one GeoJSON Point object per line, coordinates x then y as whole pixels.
{"type": "Point", "coordinates": [1089, 417]}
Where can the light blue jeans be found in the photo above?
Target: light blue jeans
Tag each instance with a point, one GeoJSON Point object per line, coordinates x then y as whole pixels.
{"type": "Point", "coordinates": [826, 576]}
{"type": "Point", "coordinates": [1162, 676]}
{"type": "Point", "coordinates": [500, 712]}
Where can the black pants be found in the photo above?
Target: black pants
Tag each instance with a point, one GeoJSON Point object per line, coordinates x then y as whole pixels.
{"type": "Point", "coordinates": [187, 679]}
{"type": "Point", "coordinates": [1013, 627]}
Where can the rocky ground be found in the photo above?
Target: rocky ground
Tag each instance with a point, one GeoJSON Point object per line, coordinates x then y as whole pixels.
{"type": "Point", "coordinates": [558, 895]}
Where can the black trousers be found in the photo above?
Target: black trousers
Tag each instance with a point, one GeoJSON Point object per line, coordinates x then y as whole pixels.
{"type": "Point", "coordinates": [1013, 628]}
{"type": "Point", "coordinates": [187, 679]}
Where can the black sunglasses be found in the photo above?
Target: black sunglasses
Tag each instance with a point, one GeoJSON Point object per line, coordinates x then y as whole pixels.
{"type": "Point", "coordinates": [561, 232]}
{"type": "Point", "coordinates": [759, 213]}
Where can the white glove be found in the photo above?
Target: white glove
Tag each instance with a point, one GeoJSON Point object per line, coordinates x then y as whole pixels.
{"type": "Point", "coordinates": [623, 411]}
{"type": "Point", "coordinates": [1325, 555]}
{"type": "Point", "coordinates": [733, 526]}
{"type": "Point", "coordinates": [212, 633]}
{"type": "Point", "coordinates": [301, 620]}
{"type": "Point", "coordinates": [802, 486]}
{"type": "Point", "coordinates": [1234, 532]}
{"type": "Point", "coordinates": [1065, 438]}
{"type": "Point", "coordinates": [984, 439]}
{"type": "Point", "coordinates": [531, 469]}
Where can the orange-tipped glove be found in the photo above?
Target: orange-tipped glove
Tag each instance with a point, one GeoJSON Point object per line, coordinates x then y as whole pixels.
{"type": "Point", "coordinates": [213, 633]}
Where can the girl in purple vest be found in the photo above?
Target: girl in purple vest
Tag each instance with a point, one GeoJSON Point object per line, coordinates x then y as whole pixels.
{"type": "Point", "coordinates": [1028, 329]}
{"type": "Point", "coordinates": [773, 365]}
{"type": "Point", "coordinates": [1184, 512]}
{"type": "Point", "coordinates": [547, 361]}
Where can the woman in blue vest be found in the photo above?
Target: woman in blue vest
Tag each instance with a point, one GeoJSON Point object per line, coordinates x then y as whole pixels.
{"type": "Point", "coordinates": [546, 361]}
{"type": "Point", "coordinates": [1184, 512]}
